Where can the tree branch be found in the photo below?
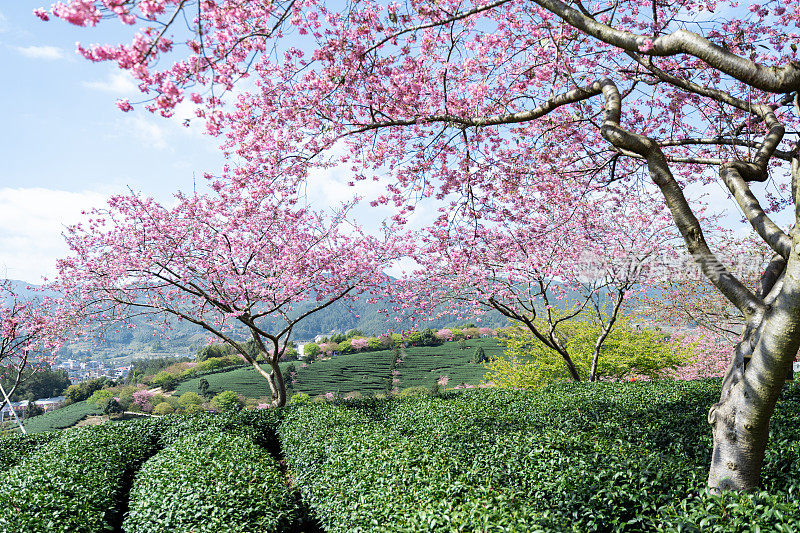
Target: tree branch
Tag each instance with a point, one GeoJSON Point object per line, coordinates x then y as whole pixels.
{"type": "Point", "coordinates": [731, 287]}
{"type": "Point", "coordinates": [778, 80]}
{"type": "Point", "coordinates": [764, 226]}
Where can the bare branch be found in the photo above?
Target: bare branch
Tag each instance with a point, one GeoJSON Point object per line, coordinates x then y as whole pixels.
{"type": "Point", "coordinates": [764, 226]}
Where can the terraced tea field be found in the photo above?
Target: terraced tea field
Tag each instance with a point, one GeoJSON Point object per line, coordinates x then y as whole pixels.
{"type": "Point", "coordinates": [425, 364]}
{"type": "Point", "coordinates": [367, 373]}
{"type": "Point", "coordinates": [61, 418]}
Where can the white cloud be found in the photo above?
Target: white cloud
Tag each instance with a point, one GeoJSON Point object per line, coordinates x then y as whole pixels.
{"type": "Point", "coordinates": [48, 53]}
{"type": "Point", "coordinates": [3, 23]}
{"type": "Point", "coordinates": [147, 131]}
{"type": "Point", "coordinates": [117, 82]}
{"type": "Point", "coordinates": [31, 223]}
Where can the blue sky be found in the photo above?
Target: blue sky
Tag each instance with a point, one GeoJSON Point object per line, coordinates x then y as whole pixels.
{"type": "Point", "coordinates": [66, 147]}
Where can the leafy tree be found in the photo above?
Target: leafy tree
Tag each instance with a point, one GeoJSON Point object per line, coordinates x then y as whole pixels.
{"type": "Point", "coordinates": [189, 398]}
{"type": "Point", "coordinates": [428, 338]}
{"type": "Point", "coordinates": [629, 353]}
{"type": "Point", "coordinates": [165, 380]}
{"type": "Point", "coordinates": [152, 366]}
{"type": "Point", "coordinates": [112, 407]}
{"type": "Point", "coordinates": [213, 351]}
{"type": "Point", "coordinates": [32, 410]}
{"type": "Point", "coordinates": [227, 401]}
{"type": "Point", "coordinates": [163, 408]}
{"type": "Point", "coordinates": [83, 390]}
{"type": "Point", "coordinates": [203, 386]}
{"type": "Point", "coordinates": [311, 350]}
{"type": "Point", "coordinates": [100, 397]}
{"type": "Point", "coordinates": [36, 383]}
{"type": "Point", "coordinates": [480, 356]}
{"type": "Point", "coordinates": [287, 375]}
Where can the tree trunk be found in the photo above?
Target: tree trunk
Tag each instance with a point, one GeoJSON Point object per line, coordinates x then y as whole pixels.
{"type": "Point", "coordinates": [279, 389]}
{"type": "Point", "coordinates": [274, 377]}
{"type": "Point", "coordinates": [740, 420]}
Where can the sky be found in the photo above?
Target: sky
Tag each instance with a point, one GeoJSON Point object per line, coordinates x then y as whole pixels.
{"type": "Point", "coordinates": [65, 147]}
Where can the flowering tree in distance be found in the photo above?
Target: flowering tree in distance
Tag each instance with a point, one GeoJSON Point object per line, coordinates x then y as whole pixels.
{"type": "Point", "coordinates": [29, 334]}
{"type": "Point", "coordinates": [229, 264]}
{"type": "Point", "coordinates": [474, 100]}
{"type": "Point", "coordinates": [545, 270]}
{"type": "Point", "coordinates": [692, 301]}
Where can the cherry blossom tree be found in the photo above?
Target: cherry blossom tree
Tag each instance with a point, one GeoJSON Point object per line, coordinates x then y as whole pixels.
{"type": "Point", "coordinates": [359, 344]}
{"type": "Point", "coordinates": [545, 270]}
{"type": "Point", "coordinates": [29, 335]}
{"type": "Point", "coordinates": [471, 101]}
{"type": "Point", "coordinates": [230, 264]}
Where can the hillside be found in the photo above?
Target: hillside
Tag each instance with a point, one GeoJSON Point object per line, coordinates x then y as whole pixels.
{"type": "Point", "coordinates": [120, 344]}
{"type": "Point", "coordinates": [363, 373]}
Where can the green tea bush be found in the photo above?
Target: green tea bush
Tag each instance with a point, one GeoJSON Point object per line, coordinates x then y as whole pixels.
{"type": "Point", "coordinates": [754, 512]}
{"type": "Point", "coordinates": [77, 483]}
{"type": "Point", "coordinates": [62, 418]}
{"type": "Point", "coordinates": [14, 448]}
{"type": "Point", "coordinates": [259, 425]}
{"type": "Point", "coordinates": [210, 482]}
{"type": "Point", "coordinates": [601, 457]}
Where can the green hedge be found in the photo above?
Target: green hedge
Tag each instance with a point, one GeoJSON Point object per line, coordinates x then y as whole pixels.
{"type": "Point", "coordinates": [61, 418]}
{"type": "Point", "coordinates": [578, 457]}
{"type": "Point", "coordinates": [210, 482]}
{"type": "Point", "coordinates": [14, 448]}
{"type": "Point", "coordinates": [259, 425]}
{"type": "Point", "coordinates": [76, 484]}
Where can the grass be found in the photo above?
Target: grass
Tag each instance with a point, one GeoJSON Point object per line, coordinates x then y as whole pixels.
{"type": "Point", "coordinates": [367, 373]}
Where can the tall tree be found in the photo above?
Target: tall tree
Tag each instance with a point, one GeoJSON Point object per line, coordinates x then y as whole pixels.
{"type": "Point", "coordinates": [231, 264]}
{"type": "Point", "coordinates": [477, 99]}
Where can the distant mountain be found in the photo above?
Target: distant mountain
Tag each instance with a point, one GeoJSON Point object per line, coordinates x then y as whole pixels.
{"type": "Point", "coordinates": [122, 343]}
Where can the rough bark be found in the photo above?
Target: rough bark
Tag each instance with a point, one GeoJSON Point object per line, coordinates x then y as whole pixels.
{"type": "Point", "coordinates": [277, 384]}
{"type": "Point", "coordinates": [274, 377]}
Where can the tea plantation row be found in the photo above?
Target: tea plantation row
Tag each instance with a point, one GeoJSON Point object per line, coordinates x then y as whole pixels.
{"type": "Point", "coordinates": [365, 373]}
{"type": "Point", "coordinates": [603, 457]}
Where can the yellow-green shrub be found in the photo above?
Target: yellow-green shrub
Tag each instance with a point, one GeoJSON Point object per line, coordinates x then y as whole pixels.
{"type": "Point", "coordinates": [164, 408]}
{"type": "Point", "coordinates": [627, 352]}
